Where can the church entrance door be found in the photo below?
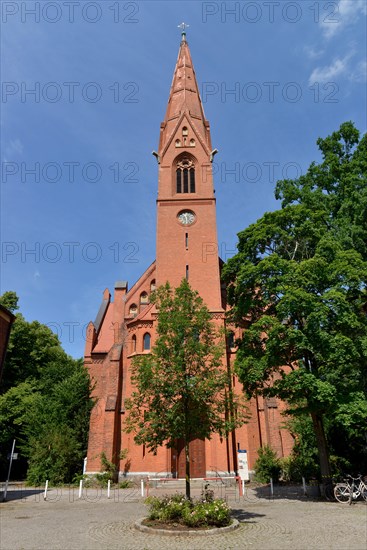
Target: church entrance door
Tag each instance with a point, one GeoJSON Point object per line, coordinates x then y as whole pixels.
{"type": "Point", "coordinates": [197, 459]}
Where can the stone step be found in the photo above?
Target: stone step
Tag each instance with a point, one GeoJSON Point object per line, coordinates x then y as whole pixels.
{"type": "Point", "coordinates": [195, 483]}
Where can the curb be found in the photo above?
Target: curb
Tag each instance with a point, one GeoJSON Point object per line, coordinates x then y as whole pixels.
{"type": "Point", "coordinates": [192, 533]}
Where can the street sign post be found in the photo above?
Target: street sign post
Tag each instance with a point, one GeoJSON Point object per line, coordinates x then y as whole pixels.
{"type": "Point", "coordinates": [10, 463]}
{"type": "Point", "coordinates": [243, 467]}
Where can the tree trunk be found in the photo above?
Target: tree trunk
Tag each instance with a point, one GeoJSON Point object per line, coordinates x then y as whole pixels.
{"type": "Point", "coordinates": [187, 474]}
{"type": "Point", "coordinates": [318, 427]}
{"type": "Point", "coordinates": [187, 444]}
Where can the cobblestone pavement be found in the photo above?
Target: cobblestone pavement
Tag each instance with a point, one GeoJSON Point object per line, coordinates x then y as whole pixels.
{"type": "Point", "coordinates": [95, 522]}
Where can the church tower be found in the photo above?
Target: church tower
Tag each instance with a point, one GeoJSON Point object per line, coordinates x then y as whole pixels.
{"type": "Point", "coordinates": [126, 326]}
{"type": "Point", "coordinates": [186, 225]}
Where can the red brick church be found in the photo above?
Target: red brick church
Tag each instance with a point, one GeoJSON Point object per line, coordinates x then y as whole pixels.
{"type": "Point", "coordinates": [125, 326]}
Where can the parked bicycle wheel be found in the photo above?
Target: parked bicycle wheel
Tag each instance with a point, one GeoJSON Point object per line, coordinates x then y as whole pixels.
{"type": "Point", "coordinates": [342, 492]}
{"type": "Point", "coordinates": [364, 492]}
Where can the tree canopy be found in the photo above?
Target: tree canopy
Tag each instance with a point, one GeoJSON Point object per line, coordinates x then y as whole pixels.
{"type": "Point", "coordinates": [298, 286]}
{"type": "Point", "coordinates": [182, 376]}
{"type": "Point", "coordinates": [9, 300]}
{"type": "Point", "coordinates": [44, 403]}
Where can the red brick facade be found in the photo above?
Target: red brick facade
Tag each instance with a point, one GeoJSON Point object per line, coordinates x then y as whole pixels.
{"type": "Point", "coordinates": [6, 321]}
{"type": "Point", "coordinates": [186, 247]}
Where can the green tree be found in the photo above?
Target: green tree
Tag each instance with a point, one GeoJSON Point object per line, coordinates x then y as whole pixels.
{"type": "Point", "coordinates": [57, 424]}
{"type": "Point", "coordinates": [15, 405]}
{"type": "Point", "coordinates": [299, 279]}
{"type": "Point", "coordinates": [183, 377]}
{"type": "Point", "coordinates": [45, 402]}
{"type": "Point", "coordinates": [9, 300]}
{"type": "Point", "coordinates": [32, 346]}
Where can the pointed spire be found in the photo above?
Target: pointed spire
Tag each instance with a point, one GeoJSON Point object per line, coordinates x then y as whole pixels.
{"type": "Point", "coordinates": [184, 94]}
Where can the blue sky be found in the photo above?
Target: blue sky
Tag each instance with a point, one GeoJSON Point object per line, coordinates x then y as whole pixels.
{"type": "Point", "coordinates": [274, 76]}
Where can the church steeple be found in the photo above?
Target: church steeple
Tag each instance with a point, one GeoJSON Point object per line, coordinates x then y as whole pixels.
{"type": "Point", "coordinates": [185, 98]}
{"type": "Point", "coordinates": [186, 228]}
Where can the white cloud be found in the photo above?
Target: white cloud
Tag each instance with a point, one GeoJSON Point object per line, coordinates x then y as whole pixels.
{"type": "Point", "coordinates": [345, 13]}
{"type": "Point", "coordinates": [360, 72]}
{"type": "Point", "coordinates": [313, 53]}
{"type": "Point", "coordinates": [37, 283]}
{"type": "Point", "coordinates": [328, 73]}
{"type": "Point", "coordinates": [13, 149]}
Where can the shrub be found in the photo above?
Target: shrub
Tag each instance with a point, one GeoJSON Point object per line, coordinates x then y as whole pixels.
{"type": "Point", "coordinates": [92, 481]}
{"type": "Point", "coordinates": [215, 513]}
{"type": "Point", "coordinates": [294, 467]}
{"type": "Point", "coordinates": [291, 469]}
{"type": "Point", "coordinates": [267, 465]}
{"type": "Point", "coordinates": [102, 479]}
{"type": "Point", "coordinates": [201, 513]}
{"type": "Point", "coordinates": [108, 468]}
{"type": "Point", "coordinates": [196, 516]}
{"type": "Point", "coordinates": [126, 484]}
{"type": "Point", "coordinates": [166, 507]}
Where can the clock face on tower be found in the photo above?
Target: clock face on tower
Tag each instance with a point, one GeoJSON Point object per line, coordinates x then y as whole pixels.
{"type": "Point", "coordinates": [186, 217]}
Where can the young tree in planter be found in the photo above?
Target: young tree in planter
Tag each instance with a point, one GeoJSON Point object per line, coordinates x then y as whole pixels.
{"type": "Point", "coordinates": [299, 280]}
{"type": "Point", "coordinates": [181, 389]}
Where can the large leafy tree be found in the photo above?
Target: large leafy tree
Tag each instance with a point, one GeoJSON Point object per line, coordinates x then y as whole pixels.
{"type": "Point", "coordinates": [298, 286]}
{"type": "Point", "coordinates": [181, 390]}
{"type": "Point", "coordinates": [44, 402]}
{"type": "Point", "coordinates": [57, 424]}
{"type": "Point", "coordinates": [9, 300]}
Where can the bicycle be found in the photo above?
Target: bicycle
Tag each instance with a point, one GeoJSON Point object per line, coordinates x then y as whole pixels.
{"type": "Point", "coordinates": [349, 491]}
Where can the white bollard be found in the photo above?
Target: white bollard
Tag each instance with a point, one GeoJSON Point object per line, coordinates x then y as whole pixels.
{"type": "Point", "coordinates": [142, 487]}
{"type": "Point", "coordinates": [45, 493]}
{"type": "Point", "coordinates": [80, 488]}
{"type": "Point", "coordinates": [109, 488]}
{"type": "Point", "coordinates": [271, 487]}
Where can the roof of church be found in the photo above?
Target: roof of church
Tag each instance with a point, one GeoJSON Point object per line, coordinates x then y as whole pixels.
{"type": "Point", "coordinates": [106, 332]}
{"type": "Point", "coordinates": [132, 292]}
{"type": "Point", "coordinates": [102, 310]}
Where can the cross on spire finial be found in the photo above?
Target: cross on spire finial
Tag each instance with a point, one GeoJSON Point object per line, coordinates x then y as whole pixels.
{"type": "Point", "coordinates": [183, 26]}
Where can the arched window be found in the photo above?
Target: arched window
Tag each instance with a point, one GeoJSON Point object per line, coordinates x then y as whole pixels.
{"type": "Point", "coordinates": [152, 285]}
{"type": "Point", "coordinates": [192, 143]}
{"type": "Point", "coordinates": [144, 298]}
{"type": "Point", "coordinates": [185, 180]}
{"type": "Point", "coordinates": [185, 131]}
{"type": "Point", "coordinates": [178, 181]}
{"type": "Point", "coordinates": [192, 180]}
{"type": "Point", "coordinates": [146, 341]}
{"type": "Point", "coordinates": [133, 344]}
{"type": "Point", "coordinates": [178, 143]}
{"type": "Point", "coordinates": [185, 176]}
{"type": "Point", "coordinates": [133, 310]}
